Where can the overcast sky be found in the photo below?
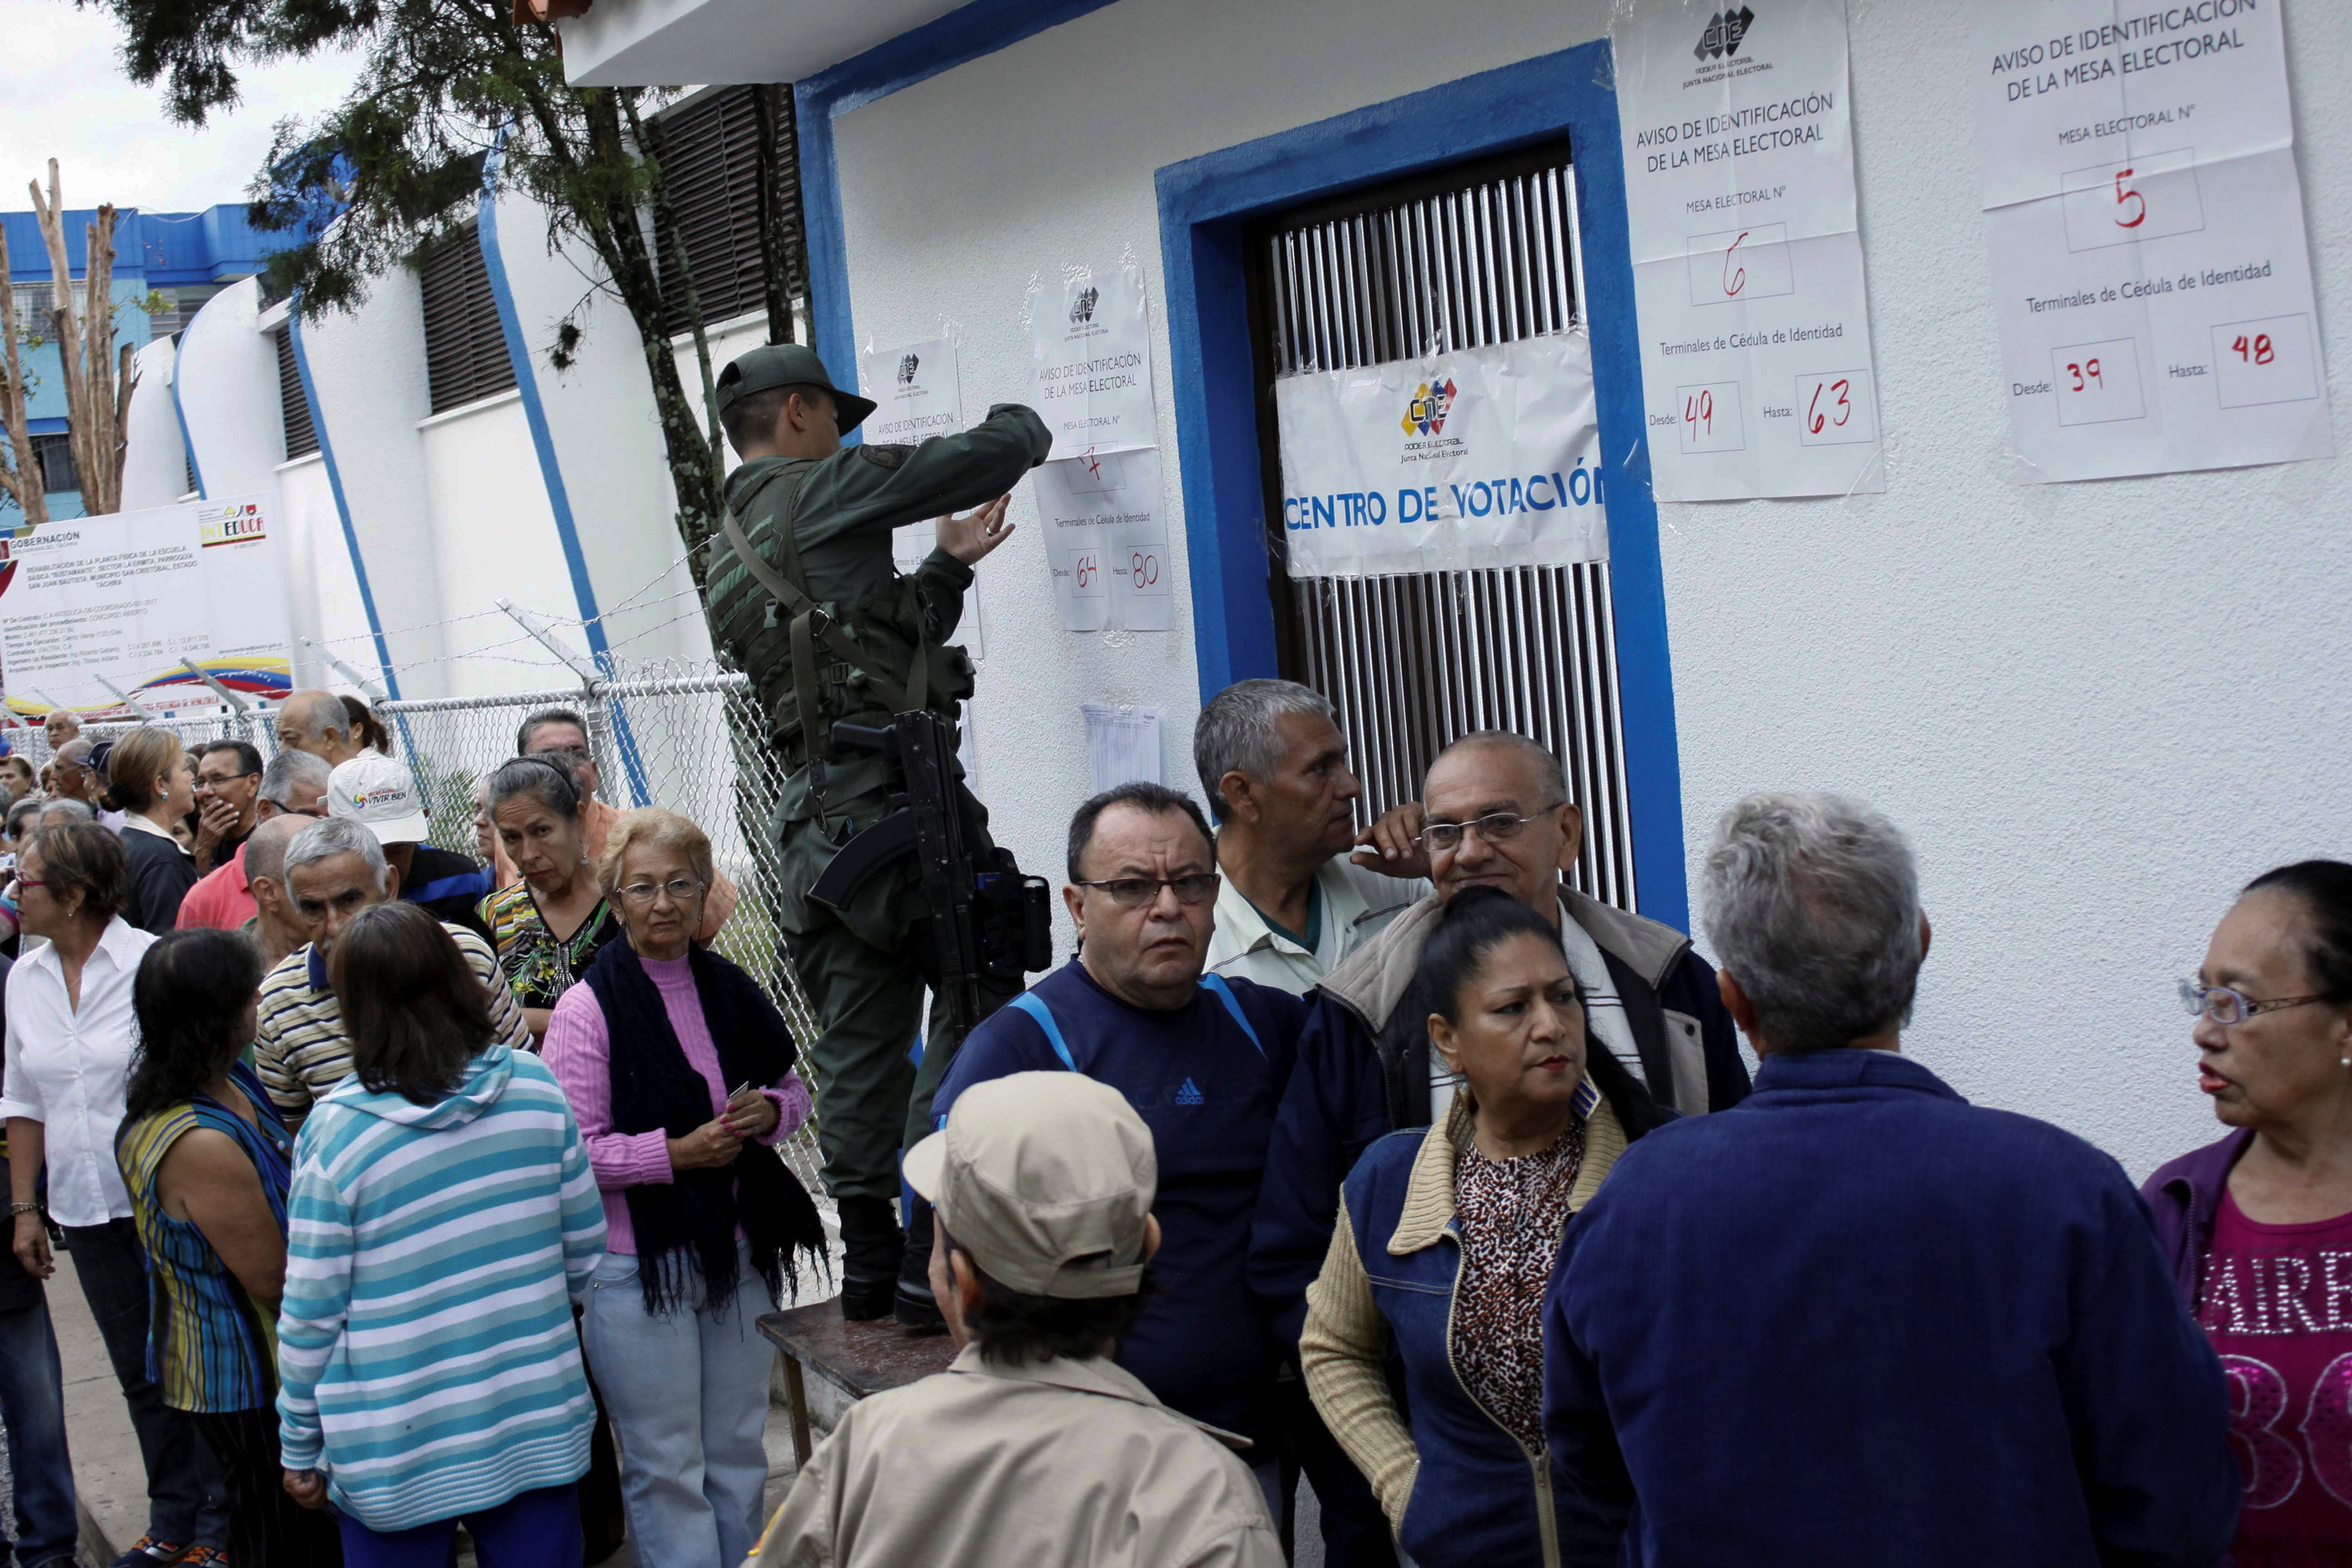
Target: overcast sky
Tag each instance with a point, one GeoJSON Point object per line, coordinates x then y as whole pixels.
{"type": "Point", "coordinates": [63, 95]}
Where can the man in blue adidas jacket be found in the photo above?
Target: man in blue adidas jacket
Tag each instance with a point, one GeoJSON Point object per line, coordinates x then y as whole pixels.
{"type": "Point", "coordinates": [1203, 1060]}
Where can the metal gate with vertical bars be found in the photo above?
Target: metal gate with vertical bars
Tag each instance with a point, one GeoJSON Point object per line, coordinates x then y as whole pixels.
{"type": "Point", "coordinates": [1479, 254]}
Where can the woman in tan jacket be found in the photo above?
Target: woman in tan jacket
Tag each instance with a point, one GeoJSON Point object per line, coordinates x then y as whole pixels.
{"type": "Point", "coordinates": [1446, 1240]}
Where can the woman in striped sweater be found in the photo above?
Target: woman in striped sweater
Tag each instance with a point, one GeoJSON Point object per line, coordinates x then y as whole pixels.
{"type": "Point", "coordinates": [444, 1218]}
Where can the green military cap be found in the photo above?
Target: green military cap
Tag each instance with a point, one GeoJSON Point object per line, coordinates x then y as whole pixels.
{"type": "Point", "coordinates": [788, 365]}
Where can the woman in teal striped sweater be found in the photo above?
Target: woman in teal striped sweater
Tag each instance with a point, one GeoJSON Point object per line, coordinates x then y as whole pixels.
{"type": "Point", "coordinates": [443, 1219]}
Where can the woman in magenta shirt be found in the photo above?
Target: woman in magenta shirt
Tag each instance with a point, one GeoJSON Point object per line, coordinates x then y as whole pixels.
{"type": "Point", "coordinates": [2259, 1225]}
{"type": "Point", "coordinates": [680, 1070]}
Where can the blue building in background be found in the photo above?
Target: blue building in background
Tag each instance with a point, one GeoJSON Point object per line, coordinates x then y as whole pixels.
{"type": "Point", "coordinates": [167, 264]}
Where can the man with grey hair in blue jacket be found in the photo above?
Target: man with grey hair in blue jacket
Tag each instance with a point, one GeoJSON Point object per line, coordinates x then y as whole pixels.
{"type": "Point", "coordinates": [1855, 1318]}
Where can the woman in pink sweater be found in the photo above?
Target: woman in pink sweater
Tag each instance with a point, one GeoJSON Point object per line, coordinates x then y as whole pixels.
{"type": "Point", "coordinates": [680, 1070]}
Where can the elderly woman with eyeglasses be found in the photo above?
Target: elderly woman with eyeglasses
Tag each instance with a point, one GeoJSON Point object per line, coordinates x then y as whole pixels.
{"type": "Point", "coordinates": [679, 1069]}
{"type": "Point", "coordinates": [2257, 1226]}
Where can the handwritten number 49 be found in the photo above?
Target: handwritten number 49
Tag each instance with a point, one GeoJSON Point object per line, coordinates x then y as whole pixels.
{"type": "Point", "coordinates": [2256, 351]}
{"type": "Point", "coordinates": [1698, 411]}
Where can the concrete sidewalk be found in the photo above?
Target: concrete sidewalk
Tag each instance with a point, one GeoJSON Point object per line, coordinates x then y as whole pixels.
{"type": "Point", "coordinates": [109, 1477]}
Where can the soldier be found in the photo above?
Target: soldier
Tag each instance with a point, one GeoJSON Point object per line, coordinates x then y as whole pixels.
{"type": "Point", "coordinates": [825, 625]}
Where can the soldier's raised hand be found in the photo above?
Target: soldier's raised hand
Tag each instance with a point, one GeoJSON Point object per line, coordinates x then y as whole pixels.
{"type": "Point", "coordinates": [976, 532]}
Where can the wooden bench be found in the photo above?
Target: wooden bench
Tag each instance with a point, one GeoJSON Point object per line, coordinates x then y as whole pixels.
{"type": "Point", "coordinates": [858, 1359]}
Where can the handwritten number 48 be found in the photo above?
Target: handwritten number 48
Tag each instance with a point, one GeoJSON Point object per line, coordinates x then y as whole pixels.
{"type": "Point", "coordinates": [2255, 351]}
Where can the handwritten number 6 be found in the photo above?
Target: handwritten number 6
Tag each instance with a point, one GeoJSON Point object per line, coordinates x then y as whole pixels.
{"type": "Point", "coordinates": [1733, 281]}
{"type": "Point", "coordinates": [2126, 194]}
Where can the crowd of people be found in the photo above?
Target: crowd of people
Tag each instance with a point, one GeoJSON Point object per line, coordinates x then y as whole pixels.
{"type": "Point", "coordinates": [410, 1186]}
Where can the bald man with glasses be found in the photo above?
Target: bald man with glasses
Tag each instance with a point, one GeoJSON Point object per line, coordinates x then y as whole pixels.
{"type": "Point", "coordinates": [1495, 813]}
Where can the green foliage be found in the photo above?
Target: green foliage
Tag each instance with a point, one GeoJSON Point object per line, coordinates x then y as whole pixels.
{"type": "Point", "coordinates": [399, 164]}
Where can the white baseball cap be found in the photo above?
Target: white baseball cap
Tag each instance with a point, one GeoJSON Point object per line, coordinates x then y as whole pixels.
{"type": "Point", "coordinates": [380, 793]}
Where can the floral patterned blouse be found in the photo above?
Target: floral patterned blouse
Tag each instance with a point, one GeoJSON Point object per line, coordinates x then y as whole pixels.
{"type": "Point", "coordinates": [538, 966]}
{"type": "Point", "coordinates": [1510, 1213]}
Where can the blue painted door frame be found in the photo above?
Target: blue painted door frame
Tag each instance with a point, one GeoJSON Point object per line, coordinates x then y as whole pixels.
{"type": "Point", "coordinates": [1204, 204]}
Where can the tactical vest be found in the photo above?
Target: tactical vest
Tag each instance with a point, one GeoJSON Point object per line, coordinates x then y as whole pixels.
{"type": "Point", "coordinates": [858, 662]}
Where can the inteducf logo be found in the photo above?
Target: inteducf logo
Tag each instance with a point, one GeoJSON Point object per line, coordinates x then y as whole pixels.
{"type": "Point", "coordinates": [1426, 414]}
{"type": "Point", "coordinates": [907, 364]}
{"type": "Point", "coordinates": [1082, 309]}
{"type": "Point", "coordinates": [1721, 39]}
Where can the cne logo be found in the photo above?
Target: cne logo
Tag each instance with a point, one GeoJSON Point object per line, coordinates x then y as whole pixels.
{"type": "Point", "coordinates": [1426, 414]}
{"type": "Point", "coordinates": [906, 366]}
{"type": "Point", "coordinates": [1082, 309]}
{"type": "Point", "coordinates": [1724, 33]}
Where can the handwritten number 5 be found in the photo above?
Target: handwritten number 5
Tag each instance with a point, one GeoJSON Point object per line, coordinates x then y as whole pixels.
{"type": "Point", "coordinates": [2125, 194]}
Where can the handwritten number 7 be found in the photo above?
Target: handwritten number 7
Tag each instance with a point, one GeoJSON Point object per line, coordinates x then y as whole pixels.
{"type": "Point", "coordinates": [2126, 194]}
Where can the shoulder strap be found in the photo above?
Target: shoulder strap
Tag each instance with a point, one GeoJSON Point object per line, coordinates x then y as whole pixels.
{"type": "Point", "coordinates": [811, 626]}
{"type": "Point", "coordinates": [1215, 984]}
{"type": "Point", "coordinates": [1029, 1003]}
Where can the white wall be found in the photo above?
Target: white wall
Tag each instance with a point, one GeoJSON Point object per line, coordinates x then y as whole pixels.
{"type": "Point", "coordinates": [154, 462]}
{"type": "Point", "coordinates": [367, 372]}
{"type": "Point", "coordinates": [2096, 708]}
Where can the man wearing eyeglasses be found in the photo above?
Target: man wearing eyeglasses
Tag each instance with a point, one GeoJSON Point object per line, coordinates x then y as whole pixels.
{"type": "Point", "coordinates": [228, 800]}
{"type": "Point", "coordinates": [1495, 813]}
{"type": "Point", "coordinates": [561, 735]}
{"type": "Point", "coordinates": [1201, 1058]}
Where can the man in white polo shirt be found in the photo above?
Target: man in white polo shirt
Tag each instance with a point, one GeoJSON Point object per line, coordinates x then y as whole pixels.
{"type": "Point", "coordinates": [1294, 904]}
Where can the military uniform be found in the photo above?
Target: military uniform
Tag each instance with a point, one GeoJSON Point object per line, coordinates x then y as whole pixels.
{"type": "Point", "coordinates": [824, 526]}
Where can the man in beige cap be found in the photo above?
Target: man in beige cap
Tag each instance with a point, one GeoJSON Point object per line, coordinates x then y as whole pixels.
{"type": "Point", "coordinates": [1034, 1449]}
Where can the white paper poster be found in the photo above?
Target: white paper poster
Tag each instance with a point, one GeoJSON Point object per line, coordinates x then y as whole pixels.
{"type": "Point", "coordinates": [122, 598]}
{"type": "Point", "coordinates": [1488, 457]}
{"type": "Point", "coordinates": [1107, 542]}
{"type": "Point", "coordinates": [1090, 366]}
{"type": "Point", "coordinates": [1122, 743]}
{"type": "Point", "coordinates": [918, 395]}
{"type": "Point", "coordinates": [1757, 371]}
{"type": "Point", "coordinates": [2151, 278]}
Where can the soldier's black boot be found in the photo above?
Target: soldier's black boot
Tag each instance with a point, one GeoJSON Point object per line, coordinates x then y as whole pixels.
{"type": "Point", "coordinates": [915, 1306]}
{"type": "Point", "coordinates": [871, 1245]}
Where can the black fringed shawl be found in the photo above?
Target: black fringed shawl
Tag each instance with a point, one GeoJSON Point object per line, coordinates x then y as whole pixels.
{"type": "Point", "coordinates": [689, 1222]}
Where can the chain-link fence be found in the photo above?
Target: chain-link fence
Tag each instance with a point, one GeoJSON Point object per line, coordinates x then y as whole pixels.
{"type": "Point", "coordinates": [679, 734]}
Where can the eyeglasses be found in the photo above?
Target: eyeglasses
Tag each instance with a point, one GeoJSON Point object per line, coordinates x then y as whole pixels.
{"type": "Point", "coordinates": [1134, 892]}
{"type": "Point", "coordinates": [1440, 836]}
{"type": "Point", "coordinates": [681, 890]}
{"type": "Point", "coordinates": [24, 882]}
{"type": "Point", "coordinates": [2224, 1005]}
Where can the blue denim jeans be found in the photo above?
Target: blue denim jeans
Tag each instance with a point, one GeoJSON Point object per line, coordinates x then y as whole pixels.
{"type": "Point", "coordinates": [32, 1406]}
{"type": "Point", "coordinates": [688, 1395]}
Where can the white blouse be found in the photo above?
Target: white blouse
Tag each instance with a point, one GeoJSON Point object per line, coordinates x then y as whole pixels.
{"type": "Point", "coordinates": [66, 1068]}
